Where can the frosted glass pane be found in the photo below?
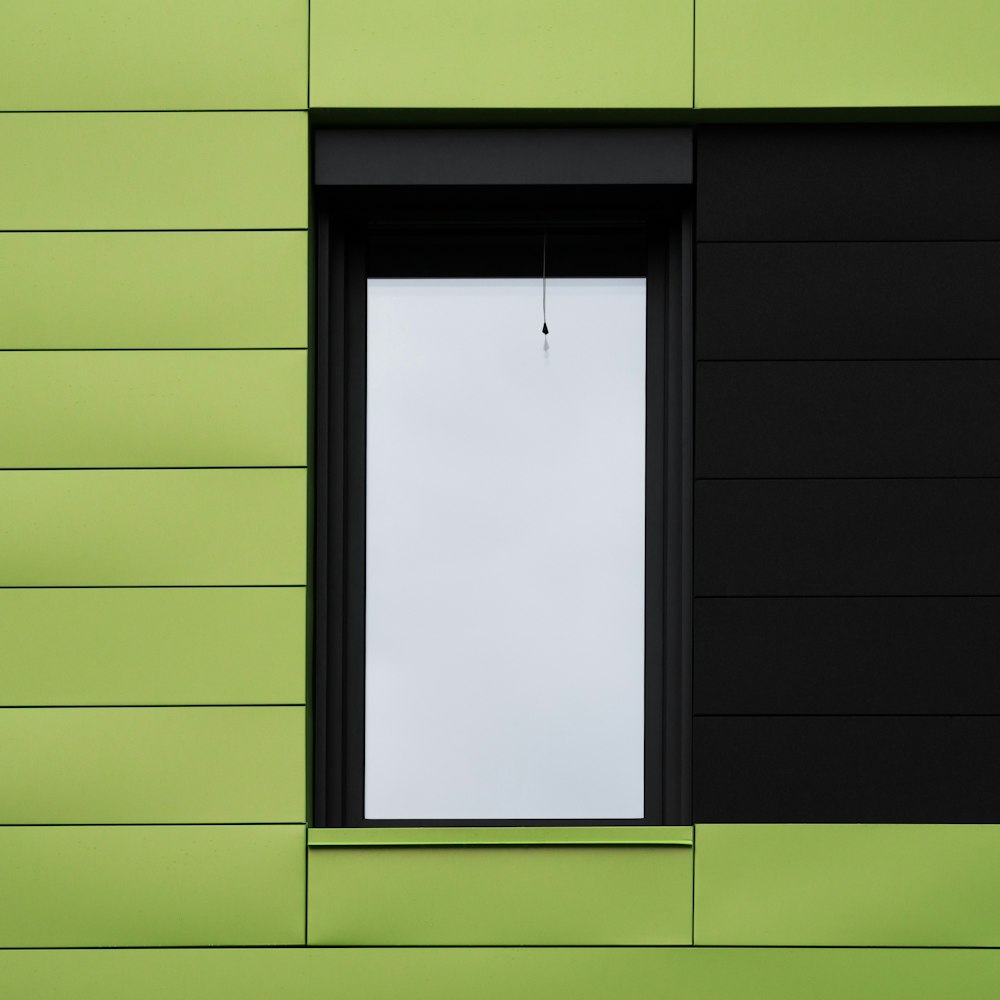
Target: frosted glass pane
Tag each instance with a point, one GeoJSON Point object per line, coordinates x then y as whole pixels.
{"type": "Point", "coordinates": [505, 549]}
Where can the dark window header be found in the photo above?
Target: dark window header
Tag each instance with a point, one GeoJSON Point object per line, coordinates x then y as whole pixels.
{"type": "Point", "coordinates": [371, 157]}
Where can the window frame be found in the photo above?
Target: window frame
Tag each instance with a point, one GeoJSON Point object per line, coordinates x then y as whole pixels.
{"type": "Point", "coordinates": [427, 189]}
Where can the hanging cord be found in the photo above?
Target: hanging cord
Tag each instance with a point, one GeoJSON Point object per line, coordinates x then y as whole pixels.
{"type": "Point", "coordinates": [545, 325]}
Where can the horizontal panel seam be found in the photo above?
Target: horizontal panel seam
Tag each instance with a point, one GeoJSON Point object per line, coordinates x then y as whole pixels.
{"type": "Point", "coordinates": [852, 947]}
{"type": "Point", "coordinates": [842, 597]}
{"type": "Point", "coordinates": [155, 705]}
{"type": "Point", "coordinates": [844, 716]}
{"type": "Point", "coordinates": [223, 229]}
{"type": "Point", "coordinates": [151, 111]}
{"type": "Point", "coordinates": [140, 468]}
{"type": "Point", "coordinates": [857, 242]}
{"type": "Point", "coordinates": [835, 479]}
{"type": "Point", "coordinates": [114, 350]}
{"type": "Point", "coordinates": [157, 586]}
{"type": "Point", "coordinates": [495, 947]}
{"type": "Point", "coordinates": [203, 824]}
{"type": "Point", "coordinates": [183, 229]}
{"type": "Point", "coordinates": [153, 586]}
{"type": "Point", "coordinates": [827, 597]}
{"type": "Point", "coordinates": [799, 479]}
{"type": "Point", "coordinates": [850, 360]}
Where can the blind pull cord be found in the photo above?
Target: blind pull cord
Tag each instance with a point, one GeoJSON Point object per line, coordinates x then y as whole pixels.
{"type": "Point", "coordinates": [545, 325]}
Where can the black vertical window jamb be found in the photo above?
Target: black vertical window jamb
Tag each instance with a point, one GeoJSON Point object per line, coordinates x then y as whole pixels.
{"type": "Point", "coordinates": [355, 384]}
{"type": "Point", "coordinates": [321, 764]}
{"type": "Point", "coordinates": [687, 292]}
{"type": "Point", "coordinates": [656, 596]}
{"type": "Point", "coordinates": [328, 568]}
{"type": "Point", "coordinates": [678, 554]}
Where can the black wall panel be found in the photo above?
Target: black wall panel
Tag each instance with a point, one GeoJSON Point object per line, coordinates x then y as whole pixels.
{"type": "Point", "coordinates": [847, 770]}
{"type": "Point", "coordinates": [848, 300]}
{"type": "Point", "coordinates": [787, 537]}
{"type": "Point", "coordinates": [847, 449]}
{"type": "Point", "coordinates": [847, 656]}
{"type": "Point", "coordinates": [848, 418]}
{"type": "Point", "coordinates": [848, 182]}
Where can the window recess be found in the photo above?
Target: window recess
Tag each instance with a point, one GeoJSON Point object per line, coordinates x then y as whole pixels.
{"type": "Point", "coordinates": [502, 515]}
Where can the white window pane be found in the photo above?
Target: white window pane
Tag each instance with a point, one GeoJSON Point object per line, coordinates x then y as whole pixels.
{"type": "Point", "coordinates": [505, 549]}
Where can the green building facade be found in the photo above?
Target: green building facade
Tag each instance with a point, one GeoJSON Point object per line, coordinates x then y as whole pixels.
{"type": "Point", "coordinates": [155, 360]}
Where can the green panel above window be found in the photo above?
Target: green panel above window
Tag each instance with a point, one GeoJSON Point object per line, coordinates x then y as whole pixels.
{"type": "Point", "coordinates": [847, 53]}
{"type": "Point", "coordinates": [850, 884]}
{"type": "Point", "coordinates": [227, 170]}
{"type": "Point", "coordinates": [117, 55]}
{"type": "Point", "coordinates": [504, 54]}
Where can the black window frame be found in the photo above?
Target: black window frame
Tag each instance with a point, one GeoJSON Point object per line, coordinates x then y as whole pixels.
{"type": "Point", "coordinates": [537, 178]}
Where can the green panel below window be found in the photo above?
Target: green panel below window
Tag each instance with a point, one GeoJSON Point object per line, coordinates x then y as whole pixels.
{"type": "Point", "coordinates": [207, 170]}
{"type": "Point", "coordinates": [505, 54]}
{"type": "Point", "coordinates": [152, 765]}
{"type": "Point", "coordinates": [83, 290]}
{"type": "Point", "coordinates": [847, 53]}
{"type": "Point", "coordinates": [914, 886]}
{"type": "Point", "coordinates": [153, 527]}
{"type": "Point", "coordinates": [93, 887]}
{"type": "Point", "coordinates": [502, 974]}
{"type": "Point", "coordinates": [500, 895]}
{"type": "Point", "coordinates": [107, 55]}
{"type": "Point", "coordinates": [149, 646]}
{"type": "Point", "coordinates": [113, 409]}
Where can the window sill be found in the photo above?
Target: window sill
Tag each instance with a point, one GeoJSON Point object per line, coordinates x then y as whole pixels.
{"type": "Point", "coordinates": [524, 836]}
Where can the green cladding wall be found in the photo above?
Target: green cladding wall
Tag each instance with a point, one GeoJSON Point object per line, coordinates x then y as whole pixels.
{"type": "Point", "coordinates": [153, 494]}
{"type": "Point", "coordinates": [509, 54]}
{"type": "Point", "coordinates": [847, 53]}
{"type": "Point", "coordinates": [154, 368]}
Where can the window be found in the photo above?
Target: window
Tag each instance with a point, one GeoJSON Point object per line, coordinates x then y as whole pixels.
{"type": "Point", "coordinates": [501, 557]}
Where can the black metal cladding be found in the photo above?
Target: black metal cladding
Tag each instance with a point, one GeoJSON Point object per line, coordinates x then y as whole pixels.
{"type": "Point", "coordinates": [847, 551]}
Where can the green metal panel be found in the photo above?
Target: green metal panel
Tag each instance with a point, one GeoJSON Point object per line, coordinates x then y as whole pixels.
{"type": "Point", "coordinates": [173, 527]}
{"type": "Point", "coordinates": [152, 765]}
{"type": "Point", "coordinates": [502, 974]}
{"type": "Point", "coordinates": [207, 170]}
{"type": "Point", "coordinates": [847, 53]}
{"type": "Point", "coordinates": [505, 54]}
{"type": "Point", "coordinates": [914, 886]}
{"type": "Point", "coordinates": [104, 55]}
{"type": "Point", "coordinates": [500, 895]}
{"type": "Point", "coordinates": [169, 886]}
{"type": "Point", "coordinates": [83, 290]}
{"type": "Point", "coordinates": [113, 409]}
{"type": "Point", "coordinates": [153, 646]}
